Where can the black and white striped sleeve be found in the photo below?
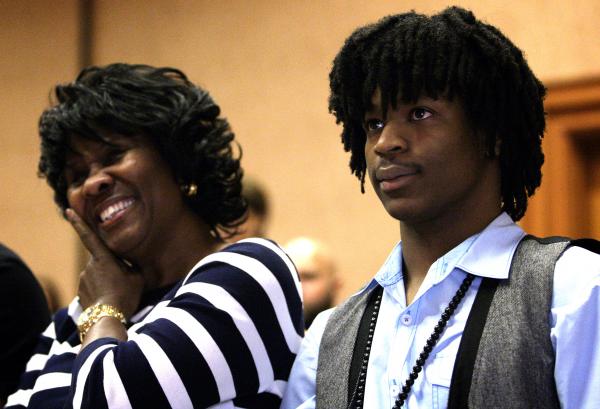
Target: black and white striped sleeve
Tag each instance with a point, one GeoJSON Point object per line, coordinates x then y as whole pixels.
{"type": "Point", "coordinates": [226, 339]}
{"type": "Point", "coordinates": [47, 377]}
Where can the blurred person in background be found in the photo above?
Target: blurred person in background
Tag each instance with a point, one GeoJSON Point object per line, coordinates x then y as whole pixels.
{"type": "Point", "coordinates": [318, 275]}
{"type": "Point", "coordinates": [256, 221]}
{"type": "Point", "coordinates": [23, 314]}
{"type": "Point", "coordinates": [143, 167]}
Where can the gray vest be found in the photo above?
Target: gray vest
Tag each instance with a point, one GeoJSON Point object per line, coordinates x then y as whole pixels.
{"type": "Point", "coordinates": [514, 360]}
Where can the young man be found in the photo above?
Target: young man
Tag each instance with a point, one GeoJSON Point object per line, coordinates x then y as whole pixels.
{"type": "Point", "coordinates": [445, 117]}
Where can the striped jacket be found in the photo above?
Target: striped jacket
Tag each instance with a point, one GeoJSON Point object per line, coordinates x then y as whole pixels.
{"type": "Point", "coordinates": [224, 337]}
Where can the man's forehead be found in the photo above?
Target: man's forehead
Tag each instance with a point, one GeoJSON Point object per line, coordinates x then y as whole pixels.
{"type": "Point", "coordinates": [376, 102]}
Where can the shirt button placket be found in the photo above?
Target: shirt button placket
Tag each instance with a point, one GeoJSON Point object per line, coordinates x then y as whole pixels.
{"type": "Point", "coordinates": [406, 319]}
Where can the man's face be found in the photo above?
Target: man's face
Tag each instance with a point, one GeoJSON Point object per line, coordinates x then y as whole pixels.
{"type": "Point", "coordinates": [425, 162]}
{"type": "Point", "coordinates": [318, 287]}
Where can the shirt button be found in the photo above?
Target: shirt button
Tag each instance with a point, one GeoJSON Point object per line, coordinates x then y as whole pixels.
{"type": "Point", "coordinates": [406, 319]}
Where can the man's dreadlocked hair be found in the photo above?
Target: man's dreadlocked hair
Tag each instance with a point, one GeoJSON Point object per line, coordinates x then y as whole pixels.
{"type": "Point", "coordinates": [451, 55]}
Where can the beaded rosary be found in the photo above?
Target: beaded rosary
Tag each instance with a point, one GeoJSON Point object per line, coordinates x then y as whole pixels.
{"type": "Point", "coordinates": [357, 400]}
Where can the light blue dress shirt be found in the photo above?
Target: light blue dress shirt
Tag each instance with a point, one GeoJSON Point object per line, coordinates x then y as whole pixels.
{"type": "Point", "coordinates": [402, 329]}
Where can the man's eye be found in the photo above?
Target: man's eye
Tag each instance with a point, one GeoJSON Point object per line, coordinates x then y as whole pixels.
{"type": "Point", "coordinates": [418, 114]}
{"type": "Point", "coordinates": [373, 125]}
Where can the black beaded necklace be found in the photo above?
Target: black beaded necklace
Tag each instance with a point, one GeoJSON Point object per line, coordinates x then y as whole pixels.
{"type": "Point", "coordinates": [358, 395]}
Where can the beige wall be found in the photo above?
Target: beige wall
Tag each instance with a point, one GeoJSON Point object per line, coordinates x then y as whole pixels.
{"type": "Point", "coordinates": [37, 48]}
{"type": "Point", "coordinates": [266, 63]}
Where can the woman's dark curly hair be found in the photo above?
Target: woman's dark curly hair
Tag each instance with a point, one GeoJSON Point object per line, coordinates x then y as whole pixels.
{"type": "Point", "coordinates": [453, 55]}
{"type": "Point", "coordinates": [160, 103]}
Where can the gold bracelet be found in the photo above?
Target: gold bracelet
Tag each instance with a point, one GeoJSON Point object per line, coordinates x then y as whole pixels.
{"type": "Point", "coordinates": [91, 315]}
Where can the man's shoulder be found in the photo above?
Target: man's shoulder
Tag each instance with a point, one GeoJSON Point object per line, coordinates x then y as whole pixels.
{"type": "Point", "coordinates": [587, 243]}
{"type": "Point", "coordinates": [591, 245]}
{"type": "Point", "coordinates": [584, 246]}
{"type": "Point", "coordinates": [583, 256]}
{"type": "Point", "coordinates": [9, 260]}
{"type": "Point", "coordinates": [575, 272]}
{"type": "Point", "coordinates": [5, 252]}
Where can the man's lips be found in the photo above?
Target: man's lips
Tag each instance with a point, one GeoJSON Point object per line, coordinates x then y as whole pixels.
{"type": "Point", "coordinates": [394, 177]}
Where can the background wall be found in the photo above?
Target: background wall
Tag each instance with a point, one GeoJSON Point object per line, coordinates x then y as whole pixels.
{"type": "Point", "coordinates": [38, 46]}
{"type": "Point", "coordinates": [267, 64]}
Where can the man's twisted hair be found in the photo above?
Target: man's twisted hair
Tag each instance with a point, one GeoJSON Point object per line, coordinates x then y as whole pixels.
{"type": "Point", "coordinates": [180, 118]}
{"type": "Point", "coordinates": [451, 55]}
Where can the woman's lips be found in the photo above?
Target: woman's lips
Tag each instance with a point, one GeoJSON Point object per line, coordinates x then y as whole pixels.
{"type": "Point", "coordinates": [111, 213]}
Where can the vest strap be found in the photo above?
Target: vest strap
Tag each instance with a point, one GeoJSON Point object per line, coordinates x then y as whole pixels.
{"type": "Point", "coordinates": [460, 385]}
{"type": "Point", "coordinates": [361, 341]}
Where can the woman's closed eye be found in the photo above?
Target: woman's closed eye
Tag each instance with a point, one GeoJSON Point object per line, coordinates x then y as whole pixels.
{"type": "Point", "coordinates": [74, 177]}
{"type": "Point", "coordinates": [113, 156]}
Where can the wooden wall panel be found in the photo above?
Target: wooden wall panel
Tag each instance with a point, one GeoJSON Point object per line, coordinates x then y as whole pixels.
{"type": "Point", "coordinates": [567, 202]}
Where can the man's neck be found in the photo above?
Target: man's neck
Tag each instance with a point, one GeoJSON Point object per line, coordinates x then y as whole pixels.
{"type": "Point", "coordinates": [424, 243]}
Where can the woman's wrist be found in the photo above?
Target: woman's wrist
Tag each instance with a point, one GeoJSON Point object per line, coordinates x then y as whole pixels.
{"type": "Point", "coordinates": [91, 315]}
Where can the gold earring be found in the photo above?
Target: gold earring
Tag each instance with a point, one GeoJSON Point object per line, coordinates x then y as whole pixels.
{"type": "Point", "coordinates": [190, 190]}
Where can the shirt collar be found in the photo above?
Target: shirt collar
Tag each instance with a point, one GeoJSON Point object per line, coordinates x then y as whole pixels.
{"type": "Point", "coordinates": [486, 254]}
{"type": "Point", "coordinates": [492, 252]}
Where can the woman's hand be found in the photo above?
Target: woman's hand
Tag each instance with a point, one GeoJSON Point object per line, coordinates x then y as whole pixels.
{"type": "Point", "coordinates": [105, 279]}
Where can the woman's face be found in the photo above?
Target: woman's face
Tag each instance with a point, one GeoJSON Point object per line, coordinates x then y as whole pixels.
{"type": "Point", "coordinates": [124, 190]}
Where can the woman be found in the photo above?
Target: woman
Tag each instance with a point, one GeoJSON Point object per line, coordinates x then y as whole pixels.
{"type": "Point", "coordinates": [142, 166]}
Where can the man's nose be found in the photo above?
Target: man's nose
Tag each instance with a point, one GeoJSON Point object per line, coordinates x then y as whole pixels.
{"type": "Point", "coordinates": [393, 138]}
